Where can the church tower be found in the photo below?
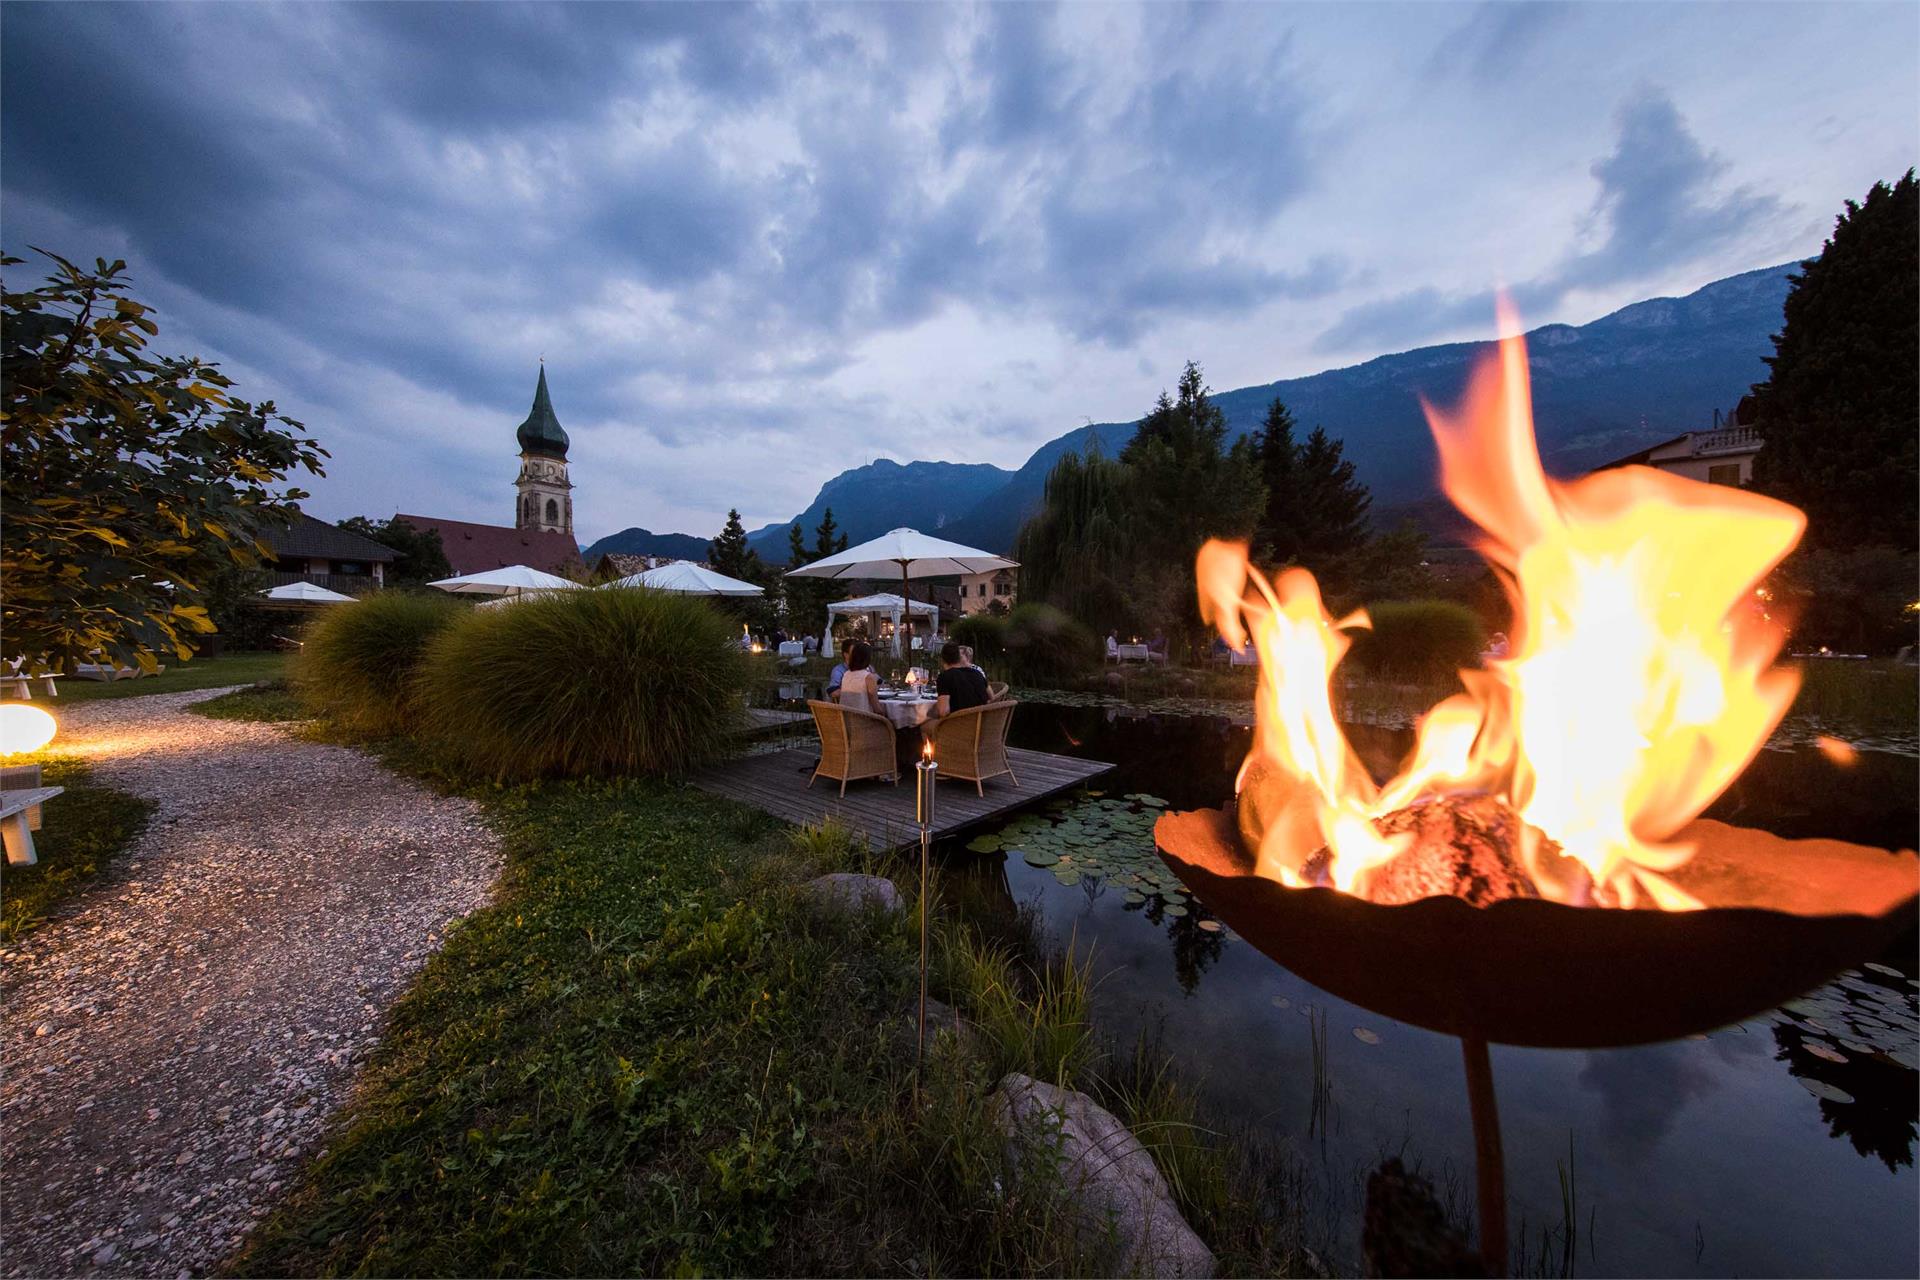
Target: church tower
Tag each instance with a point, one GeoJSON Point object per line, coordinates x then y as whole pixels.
{"type": "Point", "coordinates": [546, 500]}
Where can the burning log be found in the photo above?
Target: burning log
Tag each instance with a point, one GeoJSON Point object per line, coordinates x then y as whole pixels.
{"type": "Point", "coordinates": [1463, 846]}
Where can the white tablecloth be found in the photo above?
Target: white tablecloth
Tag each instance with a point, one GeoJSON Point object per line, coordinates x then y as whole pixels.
{"type": "Point", "coordinates": [1133, 653]}
{"type": "Point", "coordinates": [792, 649]}
{"type": "Point", "coordinates": [906, 713]}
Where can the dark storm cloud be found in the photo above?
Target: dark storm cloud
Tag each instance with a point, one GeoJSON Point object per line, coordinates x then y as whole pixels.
{"type": "Point", "coordinates": [1658, 207]}
{"type": "Point", "coordinates": [710, 217]}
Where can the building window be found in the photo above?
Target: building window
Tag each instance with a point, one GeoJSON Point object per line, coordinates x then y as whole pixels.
{"type": "Point", "coordinates": [1001, 589]}
{"type": "Point", "coordinates": [553, 512]}
{"type": "Point", "coordinates": [1724, 473]}
{"type": "Point", "coordinates": [350, 568]}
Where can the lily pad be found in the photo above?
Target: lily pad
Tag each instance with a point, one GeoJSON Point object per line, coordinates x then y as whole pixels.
{"type": "Point", "coordinates": [1211, 926]}
{"type": "Point", "coordinates": [1174, 909]}
{"type": "Point", "coordinates": [1821, 1089]}
{"type": "Point", "coordinates": [1040, 858]}
{"type": "Point", "coordinates": [1365, 1036]}
{"type": "Point", "coordinates": [1819, 1050]}
{"type": "Point", "coordinates": [1281, 1002]}
{"type": "Point", "coordinates": [1887, 969]}
{"type": "Point", "coordinates": [1068, 877]}
{"type": "Point", "coordinates": [985, 844]}
{"type": "Point", "coordinates": [1133, 899]}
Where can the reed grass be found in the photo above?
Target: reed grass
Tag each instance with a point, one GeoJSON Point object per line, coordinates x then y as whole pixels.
{"type": "Point", "coordinates": [614, 682]}
{"type": "Point", "coordinates": [357, 662]}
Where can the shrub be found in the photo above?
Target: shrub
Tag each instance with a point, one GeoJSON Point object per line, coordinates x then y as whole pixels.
{"type": "Point", "coordinates": [1043, 641]}
{"type": "Point", "coordinates": [1418, 640]}
{"type": "Point", "coordinates": [985, 632]}
{"type": "Point", "coordinates": [608, 682]}
{"type": "Point", "coordinates": [357, 663]}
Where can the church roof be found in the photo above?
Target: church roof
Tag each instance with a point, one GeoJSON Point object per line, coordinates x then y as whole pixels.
{"type": "Point", "coordinates": [541, 432]}
{"type": "Point", "coordinates": [476, 548]}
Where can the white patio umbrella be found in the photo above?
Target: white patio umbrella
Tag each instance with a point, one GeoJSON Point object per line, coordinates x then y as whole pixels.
{"type": "Point", "coordinates": [909, 553]}
{"type": "Point", "coordinates": [684, 577]}
{"type": "Point", "coordinates": [304, 592]}
{"type": "Point", "coordinates": [510, 581]}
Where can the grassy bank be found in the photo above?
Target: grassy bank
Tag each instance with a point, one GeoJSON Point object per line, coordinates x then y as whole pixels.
{"type": "Point", "coordinates": [86, 831]}
{"type": "Point", "coordinates": [652, 1055]}
{"type": "Point", "coordinates": [179, 677]}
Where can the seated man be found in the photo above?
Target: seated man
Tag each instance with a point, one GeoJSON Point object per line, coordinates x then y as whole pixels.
{"type": "Point", "coordinates": [840, 669]}
{"type": "Point", "coordinates": [960, 686]}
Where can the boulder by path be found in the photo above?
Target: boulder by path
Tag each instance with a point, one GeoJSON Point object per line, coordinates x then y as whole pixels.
{"type": "Point", "coordinates": [1107, 1176]}
{"type": "Point", "coordinates": [179, 1038]}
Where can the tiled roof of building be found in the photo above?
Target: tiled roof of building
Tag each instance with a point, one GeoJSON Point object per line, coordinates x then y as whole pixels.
{"type": "Point", "coordinates": [311, 539]}
{"type": "Point", "coordinates": [475, 548]}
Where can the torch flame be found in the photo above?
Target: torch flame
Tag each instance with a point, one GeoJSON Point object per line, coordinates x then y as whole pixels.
{"type": "Point", "coordinates": [1639, 683]}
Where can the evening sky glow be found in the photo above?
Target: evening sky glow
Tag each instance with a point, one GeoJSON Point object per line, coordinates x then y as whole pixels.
{"type": "Point", "coordinates": [758, 246]}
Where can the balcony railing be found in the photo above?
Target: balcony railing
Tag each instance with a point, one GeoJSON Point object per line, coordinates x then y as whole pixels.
{"type": "Point", "coordinates": [1709, 444]}
{"type": "Point", "coordinates": [347, 584]}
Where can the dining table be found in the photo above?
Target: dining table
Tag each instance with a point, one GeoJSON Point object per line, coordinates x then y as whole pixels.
{"type": "Point", "coordinates": [905, 710]}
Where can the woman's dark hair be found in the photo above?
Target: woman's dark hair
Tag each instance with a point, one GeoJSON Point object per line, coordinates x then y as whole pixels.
{"type": "Point", "coordinates": [846, 646]}
{"type": "Point", "coordinates": [860, 657]}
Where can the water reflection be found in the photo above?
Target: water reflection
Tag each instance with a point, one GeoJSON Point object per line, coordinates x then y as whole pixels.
{"type": "Point", "coordinates": [1783, 1146]}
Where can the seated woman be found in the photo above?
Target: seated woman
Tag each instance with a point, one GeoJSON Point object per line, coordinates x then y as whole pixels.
{"type": "Point", "coordinates": [860, 687]}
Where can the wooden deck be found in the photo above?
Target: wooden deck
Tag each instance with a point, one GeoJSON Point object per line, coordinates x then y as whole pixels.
{"type": "Point", "coordinates": [775, 782]}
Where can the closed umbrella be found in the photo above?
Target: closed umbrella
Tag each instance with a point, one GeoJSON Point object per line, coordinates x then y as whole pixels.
{"type": "Point", "coordinates": [510, 581]}
{"type": "Point", "coordinates": [684, 577]}
{"type": "Point", "coordinates": [909, 553]}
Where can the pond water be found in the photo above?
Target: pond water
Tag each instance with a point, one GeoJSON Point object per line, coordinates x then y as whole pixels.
{"type": "Point", "coordinates": [1783, 1146]}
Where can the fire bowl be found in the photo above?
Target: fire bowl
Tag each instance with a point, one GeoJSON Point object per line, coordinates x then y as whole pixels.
{"type": "Point", "coordinates": [1786, 915]}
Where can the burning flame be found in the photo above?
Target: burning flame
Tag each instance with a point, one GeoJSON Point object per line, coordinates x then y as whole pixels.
{"type": "Point", "coordinates": [1639, 681]}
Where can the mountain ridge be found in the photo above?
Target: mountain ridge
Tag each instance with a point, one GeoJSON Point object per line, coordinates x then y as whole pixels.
{"type": "Point", "coordinates": [1637, 375]}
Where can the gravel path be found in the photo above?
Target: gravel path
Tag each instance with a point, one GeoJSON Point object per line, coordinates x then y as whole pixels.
{"type": "Point", "coordinates": [177, 1043]}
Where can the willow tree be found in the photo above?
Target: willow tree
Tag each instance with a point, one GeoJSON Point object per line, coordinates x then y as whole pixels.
{"type": "Point", "coordinates": [131, 484]}
{"type": "Point", "coordinates": [1115, 541]}
{"type": "Point", "coordinates": [1073, 554]}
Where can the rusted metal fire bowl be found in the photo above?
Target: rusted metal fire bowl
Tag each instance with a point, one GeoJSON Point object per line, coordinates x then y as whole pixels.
{"type": "Point", "coordinates": [1786, 915]}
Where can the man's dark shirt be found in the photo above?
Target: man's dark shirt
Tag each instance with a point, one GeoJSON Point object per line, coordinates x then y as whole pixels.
{"type": "Point", "coordinates": [962, 687]}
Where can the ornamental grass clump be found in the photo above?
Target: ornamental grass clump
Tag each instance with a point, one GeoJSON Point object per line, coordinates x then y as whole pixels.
{"type": "Point", "coordinates": [612, 682]}
{"type": "Point", "coordinates": [356, 665]}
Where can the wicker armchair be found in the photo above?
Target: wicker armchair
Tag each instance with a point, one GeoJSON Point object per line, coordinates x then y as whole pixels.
{"type": "Point", "coordinates": [854, 744]}
{"type": "Point", "coordinates": [996, 690]}
{"type": "Point", "coordinates": [972, 745]}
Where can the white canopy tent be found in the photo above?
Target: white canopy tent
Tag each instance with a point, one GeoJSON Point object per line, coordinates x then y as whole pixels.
{"type": "Point", "coordinates": [304, 592]}
{"type": "Point", "coordinates": [684, 577]}
{"type": "Point", "coordinates": [906, 552]}
{"type": "Point", "coordinates": [510, 581]}
{"type": "Point", "coordinates": [884, 605]}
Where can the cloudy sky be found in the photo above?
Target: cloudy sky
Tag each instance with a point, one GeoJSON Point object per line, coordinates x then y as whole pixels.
{"type": "Point", "coordinates": [760, 245]}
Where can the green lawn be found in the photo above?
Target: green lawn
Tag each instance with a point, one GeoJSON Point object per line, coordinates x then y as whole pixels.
{"type": "Point", "coordinates": [650, 1056]}
{"type": "Point", "coordinates": [273, 702]}
{"type": "Point", "coordinates": [201, 673]}
{"type": "Point", "coordinates": [85, 831]}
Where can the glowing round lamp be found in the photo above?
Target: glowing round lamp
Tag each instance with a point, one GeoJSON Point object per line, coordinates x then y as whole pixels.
{"type": "Point", "coordinates": [24, 728]}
